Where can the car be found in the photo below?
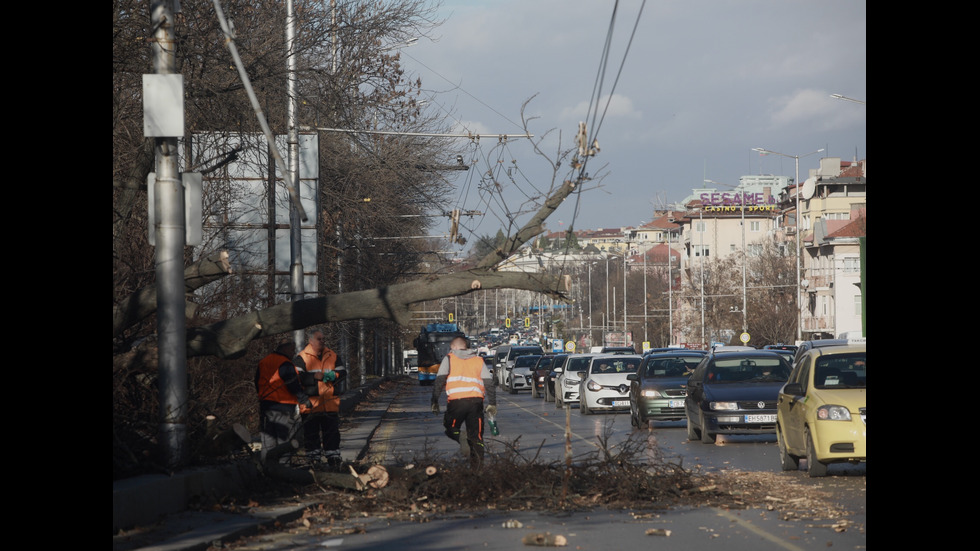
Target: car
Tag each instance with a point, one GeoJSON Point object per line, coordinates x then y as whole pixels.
{"type": "Point", "coordinates": [617, 350]}
{"type": "Point", "coordinates": [518, 376]}
{"type": "Point", "coordinates": [567, 382]}
{"type": "Point", "coordinates": [505, 359]}
{"type": "Point", "coordinates": [557, 366]}
{"type": "Point", "coordinates": [659, 386]}
{"type": "Point", "coordinates": [804, 346]}
{"type": "Point", "coordinates": [539, 374]}
{"type": "Point", "coordinates": [605, 386]}
{"type": "Point", "coordinates": [821, 411]}
{"type": "Point", "coordinates": [734, 393]}
{"type": "Point", "coordinates": [787, 350]}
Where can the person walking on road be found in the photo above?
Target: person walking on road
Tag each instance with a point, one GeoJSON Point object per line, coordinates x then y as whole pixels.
{"type": "Point", "coordinates": [320, 371]}
{"type": "Point", "coordinates": [467, 381]}
{"type": "Point", "coordinates": [280, 394]}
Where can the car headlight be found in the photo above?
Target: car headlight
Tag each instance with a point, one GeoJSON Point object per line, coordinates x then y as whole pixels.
{"type": "Point", "coordinates": [725, 406]}
{"type": "Point", "coordinates": [570, 382]}
{"type": "Point", "coordinates": [833, 413]}
{"type": "Point", "coordinates": [651, 394]}
{"type": "Point", "coordinates": [593, 386]}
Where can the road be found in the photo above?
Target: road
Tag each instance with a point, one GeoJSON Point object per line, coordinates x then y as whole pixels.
{"type": "Point", "coordinates": [410, 430]}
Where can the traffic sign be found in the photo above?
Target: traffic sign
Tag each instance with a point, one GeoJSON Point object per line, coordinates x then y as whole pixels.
{"type": "Point", "coordinates": [744, 337]}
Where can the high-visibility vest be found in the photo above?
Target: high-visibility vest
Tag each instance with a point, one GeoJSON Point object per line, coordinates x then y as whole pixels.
{"type": "Point", "coordinates": [324, 400]}
{"type": "Point", "coordinates": [465, 378]}
{"type": "Point", "coordinates": [271, 386]}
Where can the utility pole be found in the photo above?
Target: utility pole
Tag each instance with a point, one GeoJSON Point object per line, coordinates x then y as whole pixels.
{"type": "Point", "coordinates": [169, 237]}
{"type": "Point", "coordinates": [295, 228]}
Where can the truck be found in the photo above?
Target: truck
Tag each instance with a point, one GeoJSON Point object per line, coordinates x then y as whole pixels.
{"type": "Point", "coordinates": [410, 361]}
{"type": "Point", "coordinates": [432, 345]}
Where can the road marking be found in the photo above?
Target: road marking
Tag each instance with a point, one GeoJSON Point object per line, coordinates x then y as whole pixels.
{"type": "Point", "coordinates": [759, 531]}
{"type": "Point", "coordinates": [547, 420]}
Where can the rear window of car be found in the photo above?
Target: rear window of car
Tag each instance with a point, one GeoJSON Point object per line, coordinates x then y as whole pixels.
{"type": "Point", "coordinates": [579, 363]}
{"type": "Point", "coordinates": [841, 371]}
{"type": "Point", "coordinates": [743, 370]}
{"type": "Point", "coordinates": [526, 361]}
{"type": "Point", "coordinates": [669, 367]}
{"type": "Point", "coordinates": [615, 365]}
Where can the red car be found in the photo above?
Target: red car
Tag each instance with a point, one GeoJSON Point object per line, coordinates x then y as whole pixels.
{"type": "Point", "coordinates": [540, 373]}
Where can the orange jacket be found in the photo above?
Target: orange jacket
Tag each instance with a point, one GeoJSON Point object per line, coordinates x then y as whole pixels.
{"type": "Point", "coordinates": [465, 378]}
{"type": "Point", "coordinates": [324, 400]}
{"type": "Point", "coordinates": [270, 385]}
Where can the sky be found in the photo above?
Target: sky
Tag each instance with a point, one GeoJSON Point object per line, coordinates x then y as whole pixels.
{"type": "Point", "coordinates": [695, 85]}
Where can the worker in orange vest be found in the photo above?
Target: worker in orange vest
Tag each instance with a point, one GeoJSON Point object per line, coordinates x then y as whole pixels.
{"type": "Point", "coordinates": [280, 393]}
{"type": "Point", "coordinates": [467, 381]}
{"type": "Point", "coordinates": [320, 371]}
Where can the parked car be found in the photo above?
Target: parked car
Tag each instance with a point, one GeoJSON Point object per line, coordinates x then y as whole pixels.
{"type": "Point", "coordinates": [734, 393]}
{"type": "Point", "coordinates": [605, 386]}
{"type": "Point", "coordinates": [568, 381]}
{"type": "Point", "coordinates": [539, 373]}
{"type": "Point", "coordinates": [518, 376]}
{"type": "Point", "coordinates": [505, 359]}
{"type": "Point", "coordinates": [659, 386]}
{"type": "Point", "coordinates": [822, 409]}
{"type": "Point", "coordinates": [557, 366]}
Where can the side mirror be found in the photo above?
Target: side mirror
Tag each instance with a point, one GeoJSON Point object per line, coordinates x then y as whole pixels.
{"type": "Point", "coordinates": [633, 377]}
{"type": "Point", "coordinates": [793, 389]}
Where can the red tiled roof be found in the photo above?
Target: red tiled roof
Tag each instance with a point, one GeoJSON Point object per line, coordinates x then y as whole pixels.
{"type": "Point", "coordinates": [857, 228]}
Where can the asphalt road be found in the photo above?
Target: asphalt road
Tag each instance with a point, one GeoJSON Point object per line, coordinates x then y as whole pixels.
{"type": "Point", "coordinates": [399, 426]}
{"type": "Point", "coordinates": [409, 430]}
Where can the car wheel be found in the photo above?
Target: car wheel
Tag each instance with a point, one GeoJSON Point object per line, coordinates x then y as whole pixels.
{"type": "Point", "coordinates": [558, 402]}
{"type": "Point", "coordinates": [813, 467]}
{"type": "Point", "coordinates": [706, 437]}
{"type": "Point", "coordinates": [786, 461]}
{"type": "Point", "coordinates": [548, 397]}
{"type": "Point", "coordinates": [633, 420]}
{"type": "Point", "coordinates": [583, 406]}
{"type": "Point", "coordinates": [692, 433]}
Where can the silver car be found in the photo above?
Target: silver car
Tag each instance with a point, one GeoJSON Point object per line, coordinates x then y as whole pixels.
{"type": "Point", "coordinates": [606, 387]}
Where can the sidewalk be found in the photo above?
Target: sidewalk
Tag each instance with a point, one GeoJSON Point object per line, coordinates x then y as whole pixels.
{"type": "Point", "coordinates": [150, 513]}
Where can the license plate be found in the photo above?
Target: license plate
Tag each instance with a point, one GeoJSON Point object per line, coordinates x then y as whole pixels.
{"type": "Point", "coordinates": [675, 403]}
{"type": "Point", "coordinates": [768, 418]}
{"type": "Point", "coordinates": [620, 403]}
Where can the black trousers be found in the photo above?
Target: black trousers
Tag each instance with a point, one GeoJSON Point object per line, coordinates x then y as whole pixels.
{"type": "Point", "coordinates": [321, 431]}
{"type": "Point", "coordinates": [466, 412]}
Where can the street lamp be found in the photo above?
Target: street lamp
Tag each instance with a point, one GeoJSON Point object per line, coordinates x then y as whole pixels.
{"type": "Point", "coordinates": [799, 214]}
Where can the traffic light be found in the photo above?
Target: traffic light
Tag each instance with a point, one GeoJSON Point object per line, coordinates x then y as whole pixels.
{"type": "Point", "coordinates": [527, 322]}
{"type": "Point", "coordinates": [507, 322]}
{"type": "Point", "coordinates": [451, 317]}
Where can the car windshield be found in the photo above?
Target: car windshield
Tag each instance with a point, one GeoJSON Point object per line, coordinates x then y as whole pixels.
{"type": "Point", "coordinates": [615, 365]}
{"type": "Point", "coordinates": [526, 361]}
{"type": "Point", "coordinates": [747, 370]}
{"type": "Point", "coordinates": [841, 371]}
{"type": "Point", "coordinates": [670, 367]}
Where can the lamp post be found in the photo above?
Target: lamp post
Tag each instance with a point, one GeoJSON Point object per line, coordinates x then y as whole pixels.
{"type": "Point", "coordinates": [845, 98]}
{"type": "Point", "coordinates": [799, 214]}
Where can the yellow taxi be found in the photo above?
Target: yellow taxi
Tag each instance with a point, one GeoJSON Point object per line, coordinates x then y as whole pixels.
{"type": "Point", "coordinates": [821, 411]}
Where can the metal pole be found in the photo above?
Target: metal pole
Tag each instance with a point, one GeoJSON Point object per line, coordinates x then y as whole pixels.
{"type": "Point", "coordinates": [745, 326]}
{"type": "Point", "coordinates": [296, 239]}
{"type": "Point", "coordinates": [170, 237]}
{"type": "Point", "coordinates": [799, 289]}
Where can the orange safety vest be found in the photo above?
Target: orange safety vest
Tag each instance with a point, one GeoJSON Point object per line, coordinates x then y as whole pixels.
{"type": "Point", "coordinates": [465, 378]}
{"type": "Point", "coordinates": [324, 401]}
{"type": "Point", "coordinates": [271, 386]}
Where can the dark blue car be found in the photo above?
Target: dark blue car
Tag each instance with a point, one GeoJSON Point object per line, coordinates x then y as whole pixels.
{"type": "Point", "coordinates": [734, 393]}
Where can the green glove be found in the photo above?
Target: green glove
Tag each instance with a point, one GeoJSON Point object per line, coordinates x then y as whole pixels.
{"type": "Point", "coordinates": [492, 411]}
{"type": "Point", "coordinates": [329, 376]}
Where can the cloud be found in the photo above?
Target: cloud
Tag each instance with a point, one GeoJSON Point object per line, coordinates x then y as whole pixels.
{"type": "Point", "coordinates": [619, 106]}
{"type": "Point", "coordinates": [810, 108]}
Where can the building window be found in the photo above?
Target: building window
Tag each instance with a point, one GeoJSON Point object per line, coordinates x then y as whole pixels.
{"type": "Point", "coordinates": [699, 227]}
{"type": "Point", "coordinates": [852, 265]}
{"type": "Point", "coordinates": [732, 248]}
{"type": "Point", "coordinates": [754, 225]}
{"type": "Point", "coordinates": [857, 305]}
